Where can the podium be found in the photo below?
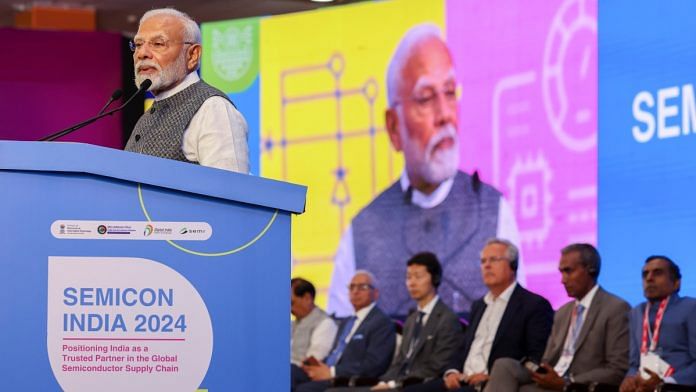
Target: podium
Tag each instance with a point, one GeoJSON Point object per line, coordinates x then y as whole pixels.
{"type": "Point", "coordinates": [120, 271]}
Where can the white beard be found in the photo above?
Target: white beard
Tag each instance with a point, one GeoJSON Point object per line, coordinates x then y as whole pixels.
{"type": "Point", "coordinates": [164, 78]}
{"type": "Point", "coordinates": [441, 164]}
{"type": "Point", "coordinates": [432, 166]}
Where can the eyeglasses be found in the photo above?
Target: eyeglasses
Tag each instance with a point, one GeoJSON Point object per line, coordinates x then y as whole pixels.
{"type": "Point", "coordinates": [156, 45]}
{"type": "Point", "coordinates": [360, 286]}
{"type": "Point", "coordinates": [493, 259]}
{"type": "Point", "coordinates": [426, 100]}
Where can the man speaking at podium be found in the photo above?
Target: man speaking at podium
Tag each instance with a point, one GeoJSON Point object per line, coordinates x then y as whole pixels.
{"type": "Point", "coordinates": [189, 121]}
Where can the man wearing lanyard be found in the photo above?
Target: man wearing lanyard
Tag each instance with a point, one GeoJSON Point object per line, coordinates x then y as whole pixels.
{"type": "Point", "coordinates": [663, 331]}
{"type": "Point", "coordinates": [589, 337]}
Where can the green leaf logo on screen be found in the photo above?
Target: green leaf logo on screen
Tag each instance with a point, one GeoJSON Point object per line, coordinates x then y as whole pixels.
{"type": "Point", "coordinates": [231, 55]}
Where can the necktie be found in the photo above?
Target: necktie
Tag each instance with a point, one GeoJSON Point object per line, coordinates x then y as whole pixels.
{"type": "Point", "coordinates": [566, 359]}
{"type": "Point", "coordinates": [578, 324]}
{"type": "Point", "coordinates": [333, 358]}
{"type": "Point", "coordinates": [413, 343]}
{"type": "Point", "coordinates": [416, 331]}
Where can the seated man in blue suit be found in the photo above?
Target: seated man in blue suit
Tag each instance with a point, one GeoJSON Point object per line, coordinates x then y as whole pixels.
{"type": "Point", "coordinates": [508, 321]}
{"type": "Point", "coordinates": [663, 331]}
{"type": "Point", "coordinates": [364, 345]}
{"type": "Point", "coordinates": [431, 334]}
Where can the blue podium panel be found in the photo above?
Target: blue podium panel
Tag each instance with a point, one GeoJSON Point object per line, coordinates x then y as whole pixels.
{"type": "Point", "coordinates": [647, 120]}
{"type": "Point", "coordinates": [126, 272]}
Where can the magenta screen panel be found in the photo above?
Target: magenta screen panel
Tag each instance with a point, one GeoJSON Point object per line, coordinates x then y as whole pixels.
{"type": "Point", "coordinates": [50, 80]}
{"type": "Point", "coordinates": [528, 119]}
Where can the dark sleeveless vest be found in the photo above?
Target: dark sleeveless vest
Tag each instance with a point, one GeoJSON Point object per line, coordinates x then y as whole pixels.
{"type": "Point", "coordinates": [391, 229]}
{"type": "Point", "coordinates": [160, 130]}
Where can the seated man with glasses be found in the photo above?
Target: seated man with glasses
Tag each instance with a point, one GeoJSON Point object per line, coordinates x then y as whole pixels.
{"type": "Point", "coordinates": [190, 121]}
{"type": "Point", "coordinates": [364, 345]}
{"type": "Point", "coordinates": [433, 205]}
{"type": "Point", "coordinates": [508, 322]}
{"type": "Point", "coordinates": [588, 343]}
{"type": "Point", "coordinates": [431, 334]}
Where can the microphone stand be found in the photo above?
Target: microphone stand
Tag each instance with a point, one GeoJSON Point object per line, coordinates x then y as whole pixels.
{"type": "Point", "coordinates": [143, 87]}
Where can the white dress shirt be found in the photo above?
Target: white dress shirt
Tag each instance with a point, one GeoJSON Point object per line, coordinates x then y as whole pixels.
{"type": "Point", "coordinates": [568, 353]}
{"type": "Point", "coordinates": [344, 263]}
{"type": "Point", "coordinates": [428, 309]}
{"type": "Point", "coordinates": [321, 340]}
{"type": "Point", "coordinates": [217, 134]}
{"type": "Point", "coordinates": [480, 351]}
{"type": "Point", "coordinates": [360, 316]}
{"type": "Point", "coordinates": [586, 301]}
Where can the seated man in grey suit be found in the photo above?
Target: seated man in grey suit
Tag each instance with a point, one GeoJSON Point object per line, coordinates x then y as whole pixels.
{"type": "Point", "coordinates": [663, 331]}
{"type": "Point", "coordinates": [431, 335]}
{"type": "Point", "coordinates": [364, 345]}
{"type": "Point", "coordinates": [589, 338]}
{"type": "Point", "coordinates": [508, 321]}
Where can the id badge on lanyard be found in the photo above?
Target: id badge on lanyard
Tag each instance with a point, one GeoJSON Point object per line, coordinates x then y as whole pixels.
{"type": "Point", "coordinates": [648, 358]}
{"type": "Point", "coordinates": [568, 352]}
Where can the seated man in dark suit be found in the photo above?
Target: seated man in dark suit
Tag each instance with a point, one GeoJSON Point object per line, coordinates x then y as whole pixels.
{"type": "Point", "coordinates": [364, 345]}
{"type": "Point", "coordinates": [508, 321]}
{"type": "Point", "coordinates": [663, 331]}
{"type": "Point", "coordinates": [431, 335]}
{"type": "Point", "coordinates": [589, 337]}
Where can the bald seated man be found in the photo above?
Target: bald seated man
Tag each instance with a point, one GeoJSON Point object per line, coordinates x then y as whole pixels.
{"type": "Point", "coordinates": [364, 345]}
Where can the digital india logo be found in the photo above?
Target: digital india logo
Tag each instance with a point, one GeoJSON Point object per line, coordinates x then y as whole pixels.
{"type": "Point", "coordinates": [148, 230]}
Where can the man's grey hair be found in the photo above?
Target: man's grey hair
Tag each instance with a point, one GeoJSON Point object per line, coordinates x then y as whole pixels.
{"type": "Point", "coordinates": [589, 257]}
{"type": "Point", "coordinates": [512, 253]}
{"type": "Point", "coordinates": [408, 43]}
{"type": "Point", "coordinates": [192, 33]}
{"type": "Point", "coordinates": [373, 280]}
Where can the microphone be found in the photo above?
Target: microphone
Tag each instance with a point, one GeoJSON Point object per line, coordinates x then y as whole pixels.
{"type": "Point", "coordinates": [143, 87]}
{"type": "Point", "coordinates": [476, 181]}
{"type": "Point", "coordinates": [114, 96]}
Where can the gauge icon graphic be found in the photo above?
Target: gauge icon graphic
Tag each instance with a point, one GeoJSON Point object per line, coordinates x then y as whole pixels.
{"type": "Point", "coordinates": [569, 75]}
